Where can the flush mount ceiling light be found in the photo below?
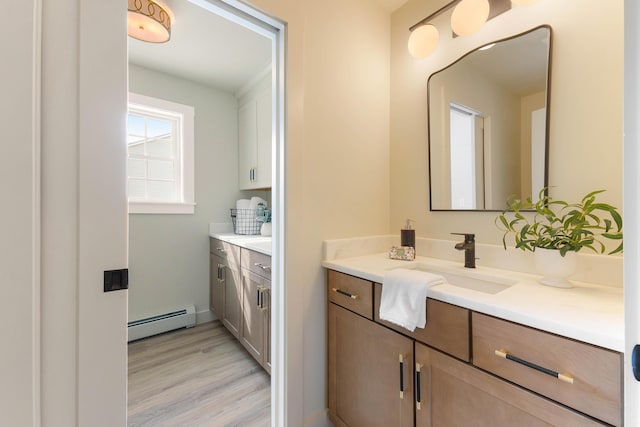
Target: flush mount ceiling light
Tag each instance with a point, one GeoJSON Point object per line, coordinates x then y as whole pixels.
{"type": "Point", "coordinates": [148, 21]}
{"type": "Point", "coordinates": [468, 17]}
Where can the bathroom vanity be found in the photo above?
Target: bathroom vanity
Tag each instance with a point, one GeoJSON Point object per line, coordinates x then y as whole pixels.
{"type": "Point", "coordinates": [240, 291]}
{"type": "Point", "coordinates": [498, 349]}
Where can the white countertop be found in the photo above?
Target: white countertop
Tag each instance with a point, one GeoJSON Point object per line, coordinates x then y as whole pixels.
{"type": "Point", "coordinates": [587, 312]}
{"type": "Point", "coordinates": [256, 243]}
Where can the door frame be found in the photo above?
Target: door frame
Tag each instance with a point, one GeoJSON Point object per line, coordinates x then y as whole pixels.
{"type": "Point", "coordinates": [631, 199]}
{"type": "Point", "coordinates": [276, 30]}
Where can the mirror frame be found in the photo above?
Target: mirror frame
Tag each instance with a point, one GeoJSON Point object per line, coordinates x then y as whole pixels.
{"type": "Point", "coordinates": [547, 113]}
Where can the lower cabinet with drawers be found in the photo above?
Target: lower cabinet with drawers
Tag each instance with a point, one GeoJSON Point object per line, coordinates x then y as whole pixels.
{"type": "Point", "coordinates": [463, 369]}
{"type": "Point", "coordinates": [240, 296]}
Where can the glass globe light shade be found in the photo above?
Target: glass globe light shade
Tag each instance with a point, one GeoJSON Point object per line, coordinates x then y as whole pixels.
{"type": "Point", "coordinates": [423, 41]}
{"type": "Point", "coordinates": [469, 16]}
{"type": "Point", "coordinates": [523, 2]}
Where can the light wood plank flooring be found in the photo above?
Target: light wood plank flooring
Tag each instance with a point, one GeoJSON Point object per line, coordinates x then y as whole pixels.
{"type": "Point", "coordinates": [196, 377]}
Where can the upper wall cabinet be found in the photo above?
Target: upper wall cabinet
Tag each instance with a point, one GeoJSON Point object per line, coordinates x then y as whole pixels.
{"type": "Point", "coordinates": [255, 136]}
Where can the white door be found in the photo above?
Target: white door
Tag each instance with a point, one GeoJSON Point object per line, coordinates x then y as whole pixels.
{"type": "Point", "coordinates": [631, 205]}
{"type": "Point", "coordinates": [19, 216]}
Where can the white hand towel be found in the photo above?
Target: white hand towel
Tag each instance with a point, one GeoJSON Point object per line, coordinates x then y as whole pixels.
{"type": "Point", "coordinates": [253, 204]}
{"type": "Point", "coordinates": [243, 204]}
{"type": "Point", "coordinates": [404, 297]}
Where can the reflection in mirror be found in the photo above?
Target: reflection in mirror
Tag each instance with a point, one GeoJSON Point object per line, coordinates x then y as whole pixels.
{"type": "Point", "coordinates": [488, 118]}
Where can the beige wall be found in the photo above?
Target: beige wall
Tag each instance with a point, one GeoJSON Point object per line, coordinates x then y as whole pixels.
{"type": "Point", "coordinates": [337, 164]}
{"type": "Point", "coordinates": [586, 107]}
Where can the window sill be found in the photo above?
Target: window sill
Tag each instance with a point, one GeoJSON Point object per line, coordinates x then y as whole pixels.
{"type": "Point", "coordinates": [178, 208]}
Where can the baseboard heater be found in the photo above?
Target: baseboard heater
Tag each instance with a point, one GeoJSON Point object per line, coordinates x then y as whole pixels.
{"type": "Point", "coordinates": [160, 323]}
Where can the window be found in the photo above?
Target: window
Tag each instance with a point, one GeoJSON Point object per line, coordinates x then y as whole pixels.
{"type": "Point", "coordinates": [160, 163]}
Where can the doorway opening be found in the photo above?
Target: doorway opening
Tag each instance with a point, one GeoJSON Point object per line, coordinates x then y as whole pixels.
{"type": "Point", "coordinates": [219, 51]}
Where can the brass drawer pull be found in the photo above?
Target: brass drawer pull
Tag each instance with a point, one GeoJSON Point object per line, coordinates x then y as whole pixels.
{"type": "Point", "coordinates": [418, 387]}
{"type": "Point", "coordinates": [262, 266]}
{"type": "Point", "coordinates": [562, 377]}
{"type": "Point", "coordinates": [345, 293]}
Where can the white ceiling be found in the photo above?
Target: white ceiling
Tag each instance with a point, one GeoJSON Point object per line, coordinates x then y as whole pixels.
{"type": "Point", "coordinates": [209, 49]}
{"type": "Point", "coordinates": [205, 48]}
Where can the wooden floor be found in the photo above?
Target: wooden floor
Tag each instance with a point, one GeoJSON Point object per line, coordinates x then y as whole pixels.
{"type": "Point", "coordinates": [200, 376]}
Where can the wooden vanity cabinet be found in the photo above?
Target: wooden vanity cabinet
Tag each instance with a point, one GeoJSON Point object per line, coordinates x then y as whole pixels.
{"type": "Point", "coordinates": [457, 379]}
{"type": "Point", "coordinates": [370, 373]}
{"type": "Point", "coordinates": [576, 374]}
{"type": "Point", "coordinates": [452, 393]}
{"type": "Point", "coordinates": [448, 327]}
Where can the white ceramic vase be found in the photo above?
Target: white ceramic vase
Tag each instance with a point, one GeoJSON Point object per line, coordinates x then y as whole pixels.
{"type": "Point", "coordinates": [555, 268]}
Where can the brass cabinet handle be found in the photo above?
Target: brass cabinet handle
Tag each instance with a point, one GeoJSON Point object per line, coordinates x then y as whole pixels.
{"type": "Point", "coordinates": [562, 377]}
{"type": "Point", "coordinates": [418, 391]}
{"type": "Point", "coordinates": [345, 293]}
{"type": "Point", "coordinates": [262, 266]}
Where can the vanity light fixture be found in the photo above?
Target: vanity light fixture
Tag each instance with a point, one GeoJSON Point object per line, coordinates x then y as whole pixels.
{"type": "Point", "coordinates": [148, 21]}
{"type": "Point", "coordinates": [468, 16]}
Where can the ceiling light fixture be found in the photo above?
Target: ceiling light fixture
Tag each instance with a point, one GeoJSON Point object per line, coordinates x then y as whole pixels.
{"type": "Point", "coordinates": [148, 21]}
{"type": "Point", "coordinates": [468, 16]}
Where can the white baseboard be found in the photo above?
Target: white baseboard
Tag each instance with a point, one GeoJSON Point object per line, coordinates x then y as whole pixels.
{"type": "Point", "coordinates": [204, 316]}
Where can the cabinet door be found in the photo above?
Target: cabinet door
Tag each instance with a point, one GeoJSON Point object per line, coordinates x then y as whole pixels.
{"type": "Point", "coordinates": [253, 314]}
{"type": "Point", "coordinates": [232, 298]}
{"type": "Point", "coordinates": [453, 393]}
{"type": "Point", "coordinates": [247, 145]}
{"type": "Point", "coordinates": [262, 174]}
{"type": "Point", "coordinates": [216, 286]}
{"type": "Point", "coordinates": [370, 373]}
{"type": "Point", "coordinates": [267, 330]}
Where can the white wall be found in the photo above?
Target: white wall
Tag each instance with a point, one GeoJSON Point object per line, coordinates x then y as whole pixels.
{"type": "Point", "coordinates": [169, 254]}
{"type": "Point", "coordinates": [586, 107]}
{"type": "Point", "coordinates": [337, 165]}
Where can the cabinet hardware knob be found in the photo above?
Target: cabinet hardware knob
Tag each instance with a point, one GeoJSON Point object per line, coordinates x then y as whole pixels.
{"type": "Point", "coordinates": [222, 251]}
{"type": "Point", "coordinates": [562, 377]}
{"type": "Point", "coordinates": [262, 266]}
{"type": "Point", "coordinates": [418, 387]}
{"type": "Point", "coordinates": [345, 293]}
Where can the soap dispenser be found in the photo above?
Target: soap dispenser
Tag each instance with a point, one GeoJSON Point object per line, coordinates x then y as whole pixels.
{"type": "Point", "coordinates": [408, 235]}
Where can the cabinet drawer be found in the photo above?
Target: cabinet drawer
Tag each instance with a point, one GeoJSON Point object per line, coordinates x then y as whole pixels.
{"type": "Point", "coordinates": [351, 293]}
{"type": "Point", "coordinates": [592, 376]}
{"type": "Point", "coordinates": [447, 327]}
{"type": "Point", "coordinates": [257, 263]}
{"type": "Point", "coordinates": [225, 250]}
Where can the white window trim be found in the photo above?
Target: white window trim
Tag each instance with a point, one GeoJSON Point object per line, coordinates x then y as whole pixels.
{"type": "Point", "coordinates": [187, 159]}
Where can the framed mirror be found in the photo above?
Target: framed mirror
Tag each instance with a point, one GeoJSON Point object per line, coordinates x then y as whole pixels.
{"type": "Point", "coordinates": [488, 121]}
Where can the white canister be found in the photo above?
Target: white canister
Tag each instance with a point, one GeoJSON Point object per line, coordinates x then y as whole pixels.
{"type": "Point", "coordinates": [265, 230]}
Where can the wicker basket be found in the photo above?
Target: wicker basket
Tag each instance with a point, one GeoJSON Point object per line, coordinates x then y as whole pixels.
{"type": "Point", "coordinates": [245, 222]}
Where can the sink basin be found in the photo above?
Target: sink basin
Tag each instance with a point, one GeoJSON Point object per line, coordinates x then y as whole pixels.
{"type": "Point", "coordinates": [486, 284]}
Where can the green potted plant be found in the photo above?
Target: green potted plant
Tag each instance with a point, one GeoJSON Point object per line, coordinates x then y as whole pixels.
{"type": "Point", "coordinates": [557, 230]}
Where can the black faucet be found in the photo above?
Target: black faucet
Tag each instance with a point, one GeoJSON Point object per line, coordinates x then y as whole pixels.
{"type": "Point", "coordinates": [469, 248]}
